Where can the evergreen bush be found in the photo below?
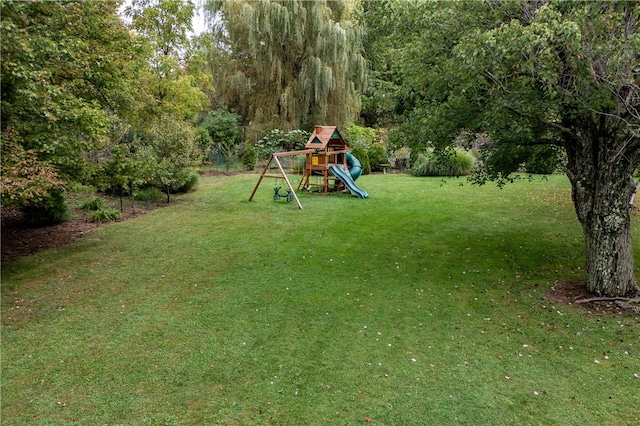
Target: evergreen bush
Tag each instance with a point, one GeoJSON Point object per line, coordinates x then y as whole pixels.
{"type": "Point", "coordinates": [188, 183]}
{"type": "Point", "coordinates": [362, 156]}
{"type": "Point", "coordinates": [377, 157]}
{"type": "Point", "coordinates": [249, 157]}
{"type": "Point", "coordinates": [51, 210]}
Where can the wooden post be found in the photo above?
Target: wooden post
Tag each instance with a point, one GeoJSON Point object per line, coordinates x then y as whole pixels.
{"type": "Point", "coordinates": [266, 168]}
{"type": "Point", "coordinates": [282, 174]}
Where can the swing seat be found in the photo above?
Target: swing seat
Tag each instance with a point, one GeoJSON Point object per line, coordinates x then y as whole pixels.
{"type": "Point", "coordinates": [277, 195]}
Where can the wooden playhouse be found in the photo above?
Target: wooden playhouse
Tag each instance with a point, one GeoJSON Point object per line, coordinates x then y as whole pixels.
{"type": "Point", "coordinates": [326, 148]}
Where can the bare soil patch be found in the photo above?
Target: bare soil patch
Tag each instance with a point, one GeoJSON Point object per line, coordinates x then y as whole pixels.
{"type": "Point", "coordinates": [20, 238]}
{"type": "Point", "coordinates": [575, 293]}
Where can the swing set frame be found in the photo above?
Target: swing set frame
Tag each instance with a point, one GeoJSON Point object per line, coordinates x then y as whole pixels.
{"type": "Point", "coordinates": [324, 149]}
{"type": "Point", "coordinates": [283, 175]}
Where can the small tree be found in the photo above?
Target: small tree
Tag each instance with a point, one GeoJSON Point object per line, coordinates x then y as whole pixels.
{"type": "Point", "coordinates": [173, 144]}
{"type": "Point", "coordinates": [131, 166]}
{"type": "Point", "coordinates": [249, 157]}
{"type": "Point", "coordinates": [225, 133]}
{"type": "Point", "coordinates": [377, 157]}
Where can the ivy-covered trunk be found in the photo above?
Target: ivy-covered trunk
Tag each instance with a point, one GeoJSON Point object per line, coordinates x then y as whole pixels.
{"type": "Point", "coordinates": [601, 191]}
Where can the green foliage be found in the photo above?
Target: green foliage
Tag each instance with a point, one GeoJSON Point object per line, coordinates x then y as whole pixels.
{"type": "Point", "coordinates": [203, 141]}
{"type": "Point", "coordinates": [104, 214]}
{"type": "Point", "coordinates": [25, 180]}
{"type": "Point", "coordinates": [165, 25]}
{"type": "Point", "coordinates": [224, 132]}
{"type": "Point", "coordinates": [368, 140]}
{"type": "Point", "coordinates": [67, 68]}
{"type": "Point", "coordinates": [51, 210]}
{"type": "Point", "coordinates": [377, 157]}
{"type": "Point", "coordinates": [132, 164]}
{"type": "Point", "coordinates": [455, 162]}
{"type": "Point", "coordinates": [191, 182]}
{"type": "Point", "coordinates": [173, 145]}
{"type": "Point", "coordinates": [358, 136]}
{"type": "Point", "coordinates": [530, 73]}
{"type": "Point", "coordinates": [249, 155]}
{"type": "Point", "coordinates": [148, 194]}
{"type": "Point", "coordinates": [288, 64]}
{"type": "Point", "coordinates": [183, 98]}
{"type": "Point", "coordinates": [277, 141]}
{"type": "Point", "coordinates": [95, 203]}
{"type": "Point", "coordinates": [362, 156]}
{"type": "Point", "coordinates": [543, 160]}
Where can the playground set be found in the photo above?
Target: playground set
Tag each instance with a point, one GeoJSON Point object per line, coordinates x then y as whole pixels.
{"type": "Point", "coordinates": [328, 167]}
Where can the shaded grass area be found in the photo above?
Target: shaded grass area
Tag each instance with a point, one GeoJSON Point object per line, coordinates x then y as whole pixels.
{"type": "Point", "coordinates": [425, 304]}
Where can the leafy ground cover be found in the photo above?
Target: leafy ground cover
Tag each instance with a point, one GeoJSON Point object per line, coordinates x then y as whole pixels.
{"type": "Point", "coordinates": [428, 303]}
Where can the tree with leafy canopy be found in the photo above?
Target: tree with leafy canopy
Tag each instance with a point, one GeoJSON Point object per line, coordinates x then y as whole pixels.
{"type": "Point", "coordinates": [288, 64]}
{"type": "Point", "coordinates": [65, 74]}
{"type": "Point", "coordinates": [166, 24]}
{"type": "Point", "coordinates": [132, 164]}
{"type": "Point", "coordinates": [564, 74]}
{"type": "Point", "coordinates": [225, 132]}
{"type": "Point", "coordinates": [173, 145]}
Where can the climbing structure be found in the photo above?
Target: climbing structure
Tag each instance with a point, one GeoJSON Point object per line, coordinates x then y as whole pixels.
{"type": "Point", "coordinates": [329, 167]}
{"type": "Point", "coordinates": [327, 149]}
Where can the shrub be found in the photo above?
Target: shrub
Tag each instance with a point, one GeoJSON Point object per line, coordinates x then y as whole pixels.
{"type": "Point", "coordinates": [249, 157]}
{"type": "Point", "coordinates": [359, 136]}
{"type": "Point", "coordinates": [377, 156]}
{"type": "Point", "coordinates": [362, 156]}
{"type": "Point", "coordinates": [188, 183]}
{"type": "Point", "coordinates": [277, 140]}
{"type": "Point", "coordinates": [204, 142]}
{"type": "Point", "coordinates": [104, 215]}
{"type": "Point", "coordinates": [148, 194]}
{"type": "Point", "coordinates": [402, 158]}
{"type": "Point", "coordinates": [95, 203]}
{"type": "Point", "coordinates": [225, 134]}
{"type": "Point", "coordinates": [443, 163]}
{"type": "Point", "coordinates": [50, 210]}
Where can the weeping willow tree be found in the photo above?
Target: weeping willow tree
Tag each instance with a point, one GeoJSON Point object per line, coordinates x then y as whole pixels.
{"type": "Point", "coordinates": [288, 63]}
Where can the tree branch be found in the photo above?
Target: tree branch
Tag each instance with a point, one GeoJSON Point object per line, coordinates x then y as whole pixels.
{"type": "Point", "coordinates": [609, 299]}
{"type": "Point", "coordinates": [556, 126]}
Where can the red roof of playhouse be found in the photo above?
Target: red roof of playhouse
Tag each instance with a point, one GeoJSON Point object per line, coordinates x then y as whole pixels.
{"type": "Point", "coordinates": [323, 135]}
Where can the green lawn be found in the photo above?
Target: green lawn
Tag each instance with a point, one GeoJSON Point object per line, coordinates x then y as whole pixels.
{"type": "Point", "coordinates": [425, 304]}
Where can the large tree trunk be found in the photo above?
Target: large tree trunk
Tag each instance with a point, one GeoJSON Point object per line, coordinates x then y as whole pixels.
{"type": "Point", "coordinates": [601, 191]}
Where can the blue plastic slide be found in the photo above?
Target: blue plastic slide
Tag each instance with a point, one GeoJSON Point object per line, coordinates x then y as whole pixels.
{"type": "Point", "coordinates": [345, 177]}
